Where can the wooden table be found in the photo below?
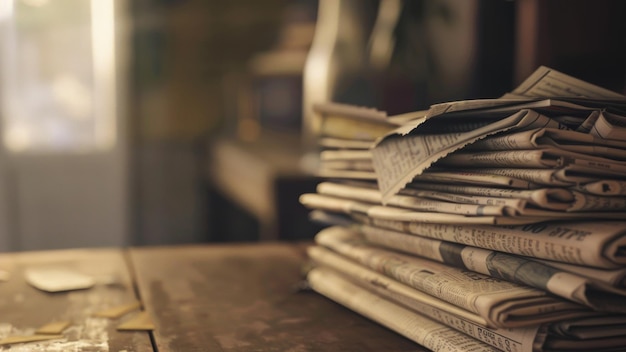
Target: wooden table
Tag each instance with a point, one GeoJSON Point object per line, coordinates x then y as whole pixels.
{"type": "Point", "coordinates": [24, 308]}
{"type": "Point", "coordinates": [200, 298]}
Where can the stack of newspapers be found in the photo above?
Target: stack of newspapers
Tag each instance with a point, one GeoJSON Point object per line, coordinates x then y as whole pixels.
{"type": "Point", "coordinates": [479, 225]}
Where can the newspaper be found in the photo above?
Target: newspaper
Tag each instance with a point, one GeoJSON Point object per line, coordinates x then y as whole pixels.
{"type": "Point", "coordinates": [613, 277]}
{"type": "Point", "coordinates": [598, 244]}
{"type": "Point", "coordinates": [582, 143]}
{"type": "Point", "coordinates": [544, 157]}
{"type": "Point", "coordinates": [547, 198]}
{"type": "Point", "coordinates": [399, 157]}
{"type": "Point", "coordinates": [350, 122]}
{"type": "Point", "coordinates": [587, 124]}
{"type": "Point", "coordinates": [397, 160]}
{"type": "Point", "coordinates": [587, 202]}
{"type": "Point", "coordinates": [595, 196]}
{"type": "Point", "coordinates": [611, 344]}
{"type": "Point", "coordinates": [603, 188]}
{"type": "Point", "coordinates": [426, 332]}
{"type": "Point", "coordinates": [404, 118]}
{"type": "Point", "coordinates": [594, 294]}
{"type": "Point", "coordinates": [601, 331]}
{"type": "Point", "coordinates": [609, 126]}
{"type": "Point", "coordinates": [407, 201]}
{"type": "Point", "coordinates": [473, 178]}
{"type": "Point", "coordinates": [577, 328]}
{"type": "Point", "coordinates": [546, 82]}
{"type": "Point", "coordinates": [475, 206]}
{"type": "Point", "coordinates": [593, 206]}
{"type": "Point", "coordinates": [513, 339]}
{"type": "Point", "coordinates": [503, 106]}
{"type": "Point", "coordinates": [598, 331]}
{"type": "Point", "coordinates": [377, 282]}
{"type": "Point", "coordinates": [516, 203]}
{"type": "Point", "coordinates": [565, 176]}
{"type": "Point", "coordinates": [350, 207]}
{"type": "Point", "coordinates": [534, 158]}
{"type": "Point", "coordinates": [574, 122]}
{"type": "Point", "coordinates": [500, 303]}
{"type": "Point", "coordinates": [325, 218]}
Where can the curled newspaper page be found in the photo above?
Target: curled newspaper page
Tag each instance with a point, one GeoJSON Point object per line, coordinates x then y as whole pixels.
{"type": "Point", "coordinates": [546, 198]}
{"type": "Point", "coordinates": [408, 206]}
{"type": "Point", "coordinates": [354, 207]}
{"type": "Point", "coordinates": [407, 152]}
{"type": "Point", "coordinates": [514, 339]}
{"type": "Point", "coordinates": [546, 82]}
{"type": "Point", "coordinates": [598, 244]}
{"type": "Point", "coordinates": [592, 293]}
{"type": "Point", "coordinates": [414, 326]}
{"type": "Point", "coordinates": [501, 303]}
{"type": "Point", "coordinates": [566, 140]}
{"type": "Point", "coordinates": [398, 159]}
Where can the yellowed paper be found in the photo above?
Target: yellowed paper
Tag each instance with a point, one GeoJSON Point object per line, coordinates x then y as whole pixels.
{"type": "Point", "coordinates": [23, 339]}
{"type": "Point", "coordinates": [118, 311]}
{"type": "Point", "coordinates": [546, 82]}
{"type": "Point", "coordinates": [58, 279]}
{"type": "Point", "coordinates": [53, 328]}
{"type": "Point", "coordinates": [424, 331]}
{"type": "Point", "coordinates": [501, 303]}
{"type": "Point", "coordinates": [141, 321]}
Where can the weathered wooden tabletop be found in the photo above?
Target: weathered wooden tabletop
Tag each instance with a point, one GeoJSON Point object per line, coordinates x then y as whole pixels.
{"type": "Point", "coordinates": [200, 298]}
{"type": "Point", "coordinates": [24, 308]}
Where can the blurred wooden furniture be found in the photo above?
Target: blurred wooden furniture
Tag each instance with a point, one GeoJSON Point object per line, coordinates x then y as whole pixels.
{"type": "Point", "coordinates": [264, 179]}
{"type": "Point", "coordinates": [201, 298]}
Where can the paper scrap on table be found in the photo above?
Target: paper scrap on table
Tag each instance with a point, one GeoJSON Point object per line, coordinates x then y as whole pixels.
{"type": "Point", "coordinates": [58, 279]}
{"type": "Point", "coordinates": [140, 322]}
{"type": "Point", "coordinates": [53, 328]}
{"type": "Point", "coordinates": [116, 312]}
{"type": "Point", "coordinates": [31, 338]}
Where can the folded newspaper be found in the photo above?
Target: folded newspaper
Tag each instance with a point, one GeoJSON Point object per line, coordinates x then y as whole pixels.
{"type": "Point", "coordinates": [501, 219]}
{"type": "Point", "coordinates": [415, 314]}
{"type": "Point", "coordinates": [565, 282]}
{"type": "Point", "coordinates": [500, 303]}
{"type": "Point", "coordinates": [409, 150]}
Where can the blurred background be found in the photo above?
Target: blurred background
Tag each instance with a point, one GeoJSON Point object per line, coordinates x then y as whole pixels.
{"type": "Point", "coordinates": [155, 122]}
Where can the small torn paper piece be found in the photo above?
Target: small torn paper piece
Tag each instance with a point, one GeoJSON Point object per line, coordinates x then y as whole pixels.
{"type": "Point", "coordinates": [139, 322]}
{"type": "Point", "coordinates": [116, 312]}
{"type": "Point", "coordinates": [53, 328]}
{"type": "Point", "coordinates": [31, 338]}
{"type": "Point", "coordinates": [57, 279]}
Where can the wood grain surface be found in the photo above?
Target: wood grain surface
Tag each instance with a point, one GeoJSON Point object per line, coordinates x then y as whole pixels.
{"type": "Point", "coordinates": [200, 298]}
{"type": "Point", "coordinates": [243, 298]}
{"type": "Point", "coordinates": [24, 308]}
